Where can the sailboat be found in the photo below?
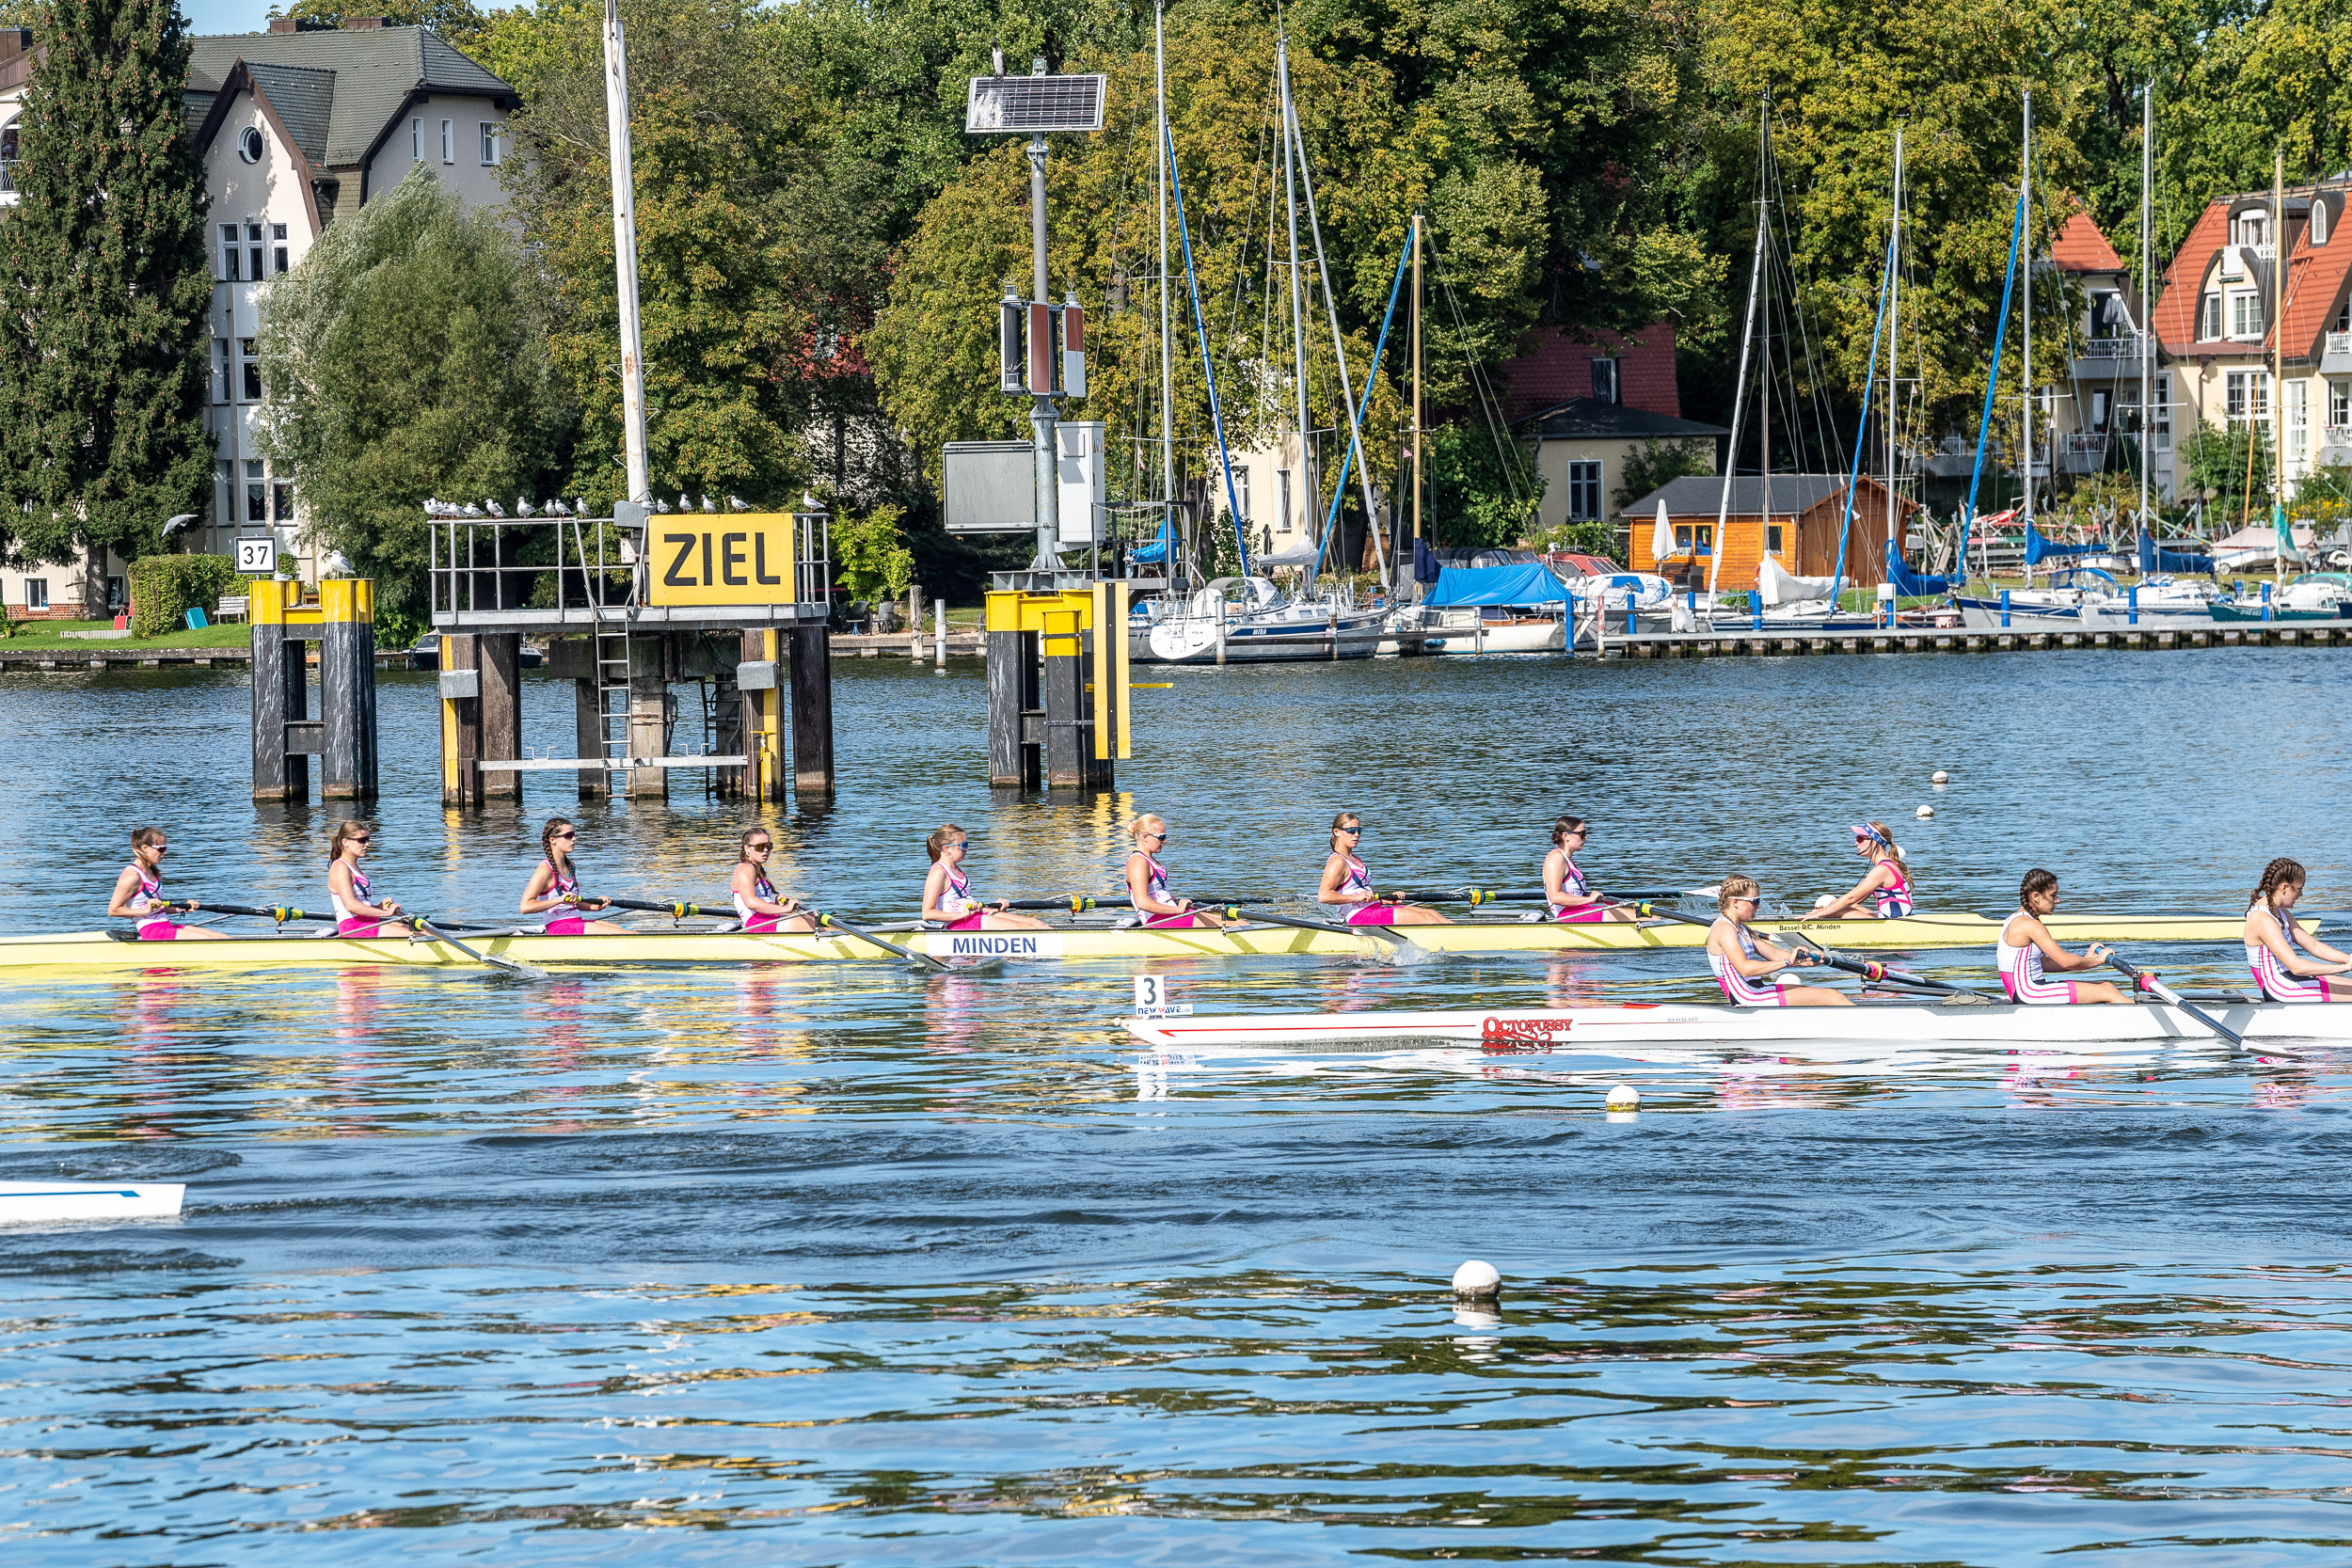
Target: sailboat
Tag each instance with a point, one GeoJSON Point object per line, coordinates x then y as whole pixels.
{"type": "Point", "coordinates": [1249, 618]}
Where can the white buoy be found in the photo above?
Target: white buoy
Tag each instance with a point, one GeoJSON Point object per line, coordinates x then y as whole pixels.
{"type": "Point", "coordinates": [1924, 812]}
{"type": "Point", "coordinates": [1477, 1281]}
{"type": "Point", "coordinates": [1624, 1097]}
{"type": "Point", "coordinates": [1941, 777]}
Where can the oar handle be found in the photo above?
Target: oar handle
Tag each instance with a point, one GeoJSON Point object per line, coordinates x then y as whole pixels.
{"type": "Point", "coordinates": [1076, 903]}
{"type": "Point", "coordinates": [285, 914]}
{"type": "Point", "coordinates": [2141, 980]}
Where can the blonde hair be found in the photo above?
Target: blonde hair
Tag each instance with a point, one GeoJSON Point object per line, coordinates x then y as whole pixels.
{"type": "Point", "coordinates": [1736, 886]}
{"type": "Point", "coordinates": [347, 828]}
{"type": "Point", "coordinates": [934, 845]}
{"type": "Point", "coordinates": [1150, 821]}
{"type": "Point", "coordinates": [1884, 836]}
{"type": "Point", "coordinates": [1341, 820]}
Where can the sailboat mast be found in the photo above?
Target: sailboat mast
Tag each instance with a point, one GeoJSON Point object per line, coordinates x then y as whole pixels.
{"type": "Point", "coordinates": [1416, 323]}
{"type": "Point", "coordinates": [1764, 375]}
{"type": "Point", "coordinates": [1310, 494]}
{"type": "Point", "coordinates": [1739, 399]}
{"type": "Point", "coordinates": [1168, 374]}
{"type": "Point", "coordinates": [1894, 337]}
{"type": "Point", "coordinates": [2147, 286]}
{"type": "Point", "coordinates": [2277, 360]}
{"type": "Point", "coordinates": [2025, 359]}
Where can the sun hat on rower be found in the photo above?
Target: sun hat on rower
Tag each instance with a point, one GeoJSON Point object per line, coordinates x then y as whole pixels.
{"type": "Point", "coordinates": [1864, 830]}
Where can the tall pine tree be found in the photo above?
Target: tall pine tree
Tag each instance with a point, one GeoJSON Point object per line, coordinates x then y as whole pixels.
{"type": "Point", "coordinates": [103, 288]}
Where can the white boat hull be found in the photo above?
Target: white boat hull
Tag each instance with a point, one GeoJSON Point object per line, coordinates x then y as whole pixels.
{"type": "Point", "coordinates": [52, 1202]}
{"type": "Point", "coordinates": [1192, 640]}
{"type": "Point", "coordinates": [1468, 634]}
{"type": "Point", "coordinates": [1611, 1030]}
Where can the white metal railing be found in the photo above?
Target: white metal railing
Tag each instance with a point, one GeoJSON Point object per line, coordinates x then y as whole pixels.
{"type": "Point", "coordinates": [2338, 436]}
{"type": "Point", "coordinates": [2339, 342]}
{"type": "Point", "coordinates": [487, 565]}
{"type": "Point", "coordinates": [2126, 346]}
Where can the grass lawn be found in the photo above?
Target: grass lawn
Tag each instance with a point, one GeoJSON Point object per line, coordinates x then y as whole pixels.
{"type": "Point", "coordinates": [43, 634]}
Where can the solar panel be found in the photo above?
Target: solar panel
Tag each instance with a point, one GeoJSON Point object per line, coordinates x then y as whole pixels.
{"type": "Point", "coordinates": [1025, 104]}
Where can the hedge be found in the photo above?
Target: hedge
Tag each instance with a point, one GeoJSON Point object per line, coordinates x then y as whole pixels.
{"type": "Point", "coordinates": [163, 587]}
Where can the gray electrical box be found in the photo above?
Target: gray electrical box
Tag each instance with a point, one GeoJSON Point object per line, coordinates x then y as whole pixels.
{"type": "Point", "coordinates": [456, 684]}
{"type": "Point", "coordinates": [755, 675]}
{"type": "Point", "coordinates": [992, 486]}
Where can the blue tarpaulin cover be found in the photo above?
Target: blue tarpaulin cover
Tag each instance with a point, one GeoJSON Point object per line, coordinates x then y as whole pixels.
{"type": "Point", "coordinates": [1468, 585]}
{"type": "Point", "coordinates": [2039, 548]}
{"type": "Point", "coordinates": [1911, 584]}
{"type": "Point", "coordinates": [2154, 560]}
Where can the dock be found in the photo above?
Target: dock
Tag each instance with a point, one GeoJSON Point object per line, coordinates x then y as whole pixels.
{"type": "Point", "coordinates": [1971, 640]}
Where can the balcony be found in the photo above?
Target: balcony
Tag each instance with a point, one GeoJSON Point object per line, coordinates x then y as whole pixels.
{"type": "Point", "coordinates": [2336, 356]}
{"type": "Point", "coordinates": [2079, 453]}
{"type": "Point", "coordinates": [2106, 358]}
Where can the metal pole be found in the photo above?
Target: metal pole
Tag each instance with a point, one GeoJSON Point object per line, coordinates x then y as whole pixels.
{"type": "Point", "coordinates": [1403, 563]}
{"type": "Point", "coordinates": [2024, 360]}
{"type": "Point", "coordinates": [1041, 414]}
{"type": "Point", "coordinates": [1339, 350]}
{"type": "Point", "coordinates": [1894, 342]}
{"type": "Point", "coordinates": [625, 253]}
{"type": "Point", "coordinates": [2146, 291]}
{"type": "Point", "coordinates": [1739, 387]}
{"type": "Point", "coordinates": [1311, 499]}
{"type": "Point", "coordinates": [1168, 374]}
{"type": "Point", "coordinates": [2284, 529]}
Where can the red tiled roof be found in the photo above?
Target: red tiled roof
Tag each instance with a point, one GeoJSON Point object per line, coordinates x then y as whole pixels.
{"type": "Point", "coordinates": [2176, 308]}
{"type": "Point", "coordinates": [2080, 248]}
{"type": "Point", "coordinates": [2315, 277]}
{"type": "Point", "coordinates": [1554, 368]}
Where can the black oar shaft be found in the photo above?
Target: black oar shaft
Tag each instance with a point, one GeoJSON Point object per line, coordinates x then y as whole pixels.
{"type": "Point", "coordinates": [2144, 981]}
{"type": "Point", "coordinates": [285, 914]}
{"type": "Point", "coordinates": [675, 909]}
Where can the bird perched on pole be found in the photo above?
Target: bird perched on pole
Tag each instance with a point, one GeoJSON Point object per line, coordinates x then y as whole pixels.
{"type": "Point", "coordinates": [469, 510]}
{"type": "Point", "coordinates": [558, 508]}
{"type": "Point", "coordinates": [524, 509]}
{"type": "Point", "coordinates": [496, 510]}
{"type": "Point", "coordinates": [661, 506]}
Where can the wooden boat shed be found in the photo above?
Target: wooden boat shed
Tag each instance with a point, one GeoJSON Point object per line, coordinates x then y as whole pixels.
{"type": "Point", "coordinates": [1799, 528]}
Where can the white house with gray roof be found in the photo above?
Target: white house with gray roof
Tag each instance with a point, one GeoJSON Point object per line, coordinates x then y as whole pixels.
{"type": "Point", "coordinates": [296, 126]}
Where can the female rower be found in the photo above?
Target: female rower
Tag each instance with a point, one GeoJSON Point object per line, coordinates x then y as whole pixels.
{"type": "Point", "coordinates": [1741, 961]}
{"type": "Point", "coordinates": [138, 892]}
{"type": "Point", "coordinates": [947, 891]}
{"type": "Point", "coordinates": [554, 887]}
{"type": "Point", "coordinates": [2026, 947]}
{"type": "Point", "coordinates": [1565, 895]}
{"type": "Point", "coordinates": [347, 888]}
{"type": "Point", "coordinates": [2281, 972]}
{"type": "Point", "coordinates": [755, 901]}
{"type": "Point", "coordinates": [1346, 881]}
{"type": "Point", "coordinates": [1886, 886]}
{"type": "Point", "coordinates": [1147, 880]}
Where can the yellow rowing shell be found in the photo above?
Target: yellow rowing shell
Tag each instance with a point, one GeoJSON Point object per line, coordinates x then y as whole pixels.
{"type": "Point", "coordinates": [98, 952]}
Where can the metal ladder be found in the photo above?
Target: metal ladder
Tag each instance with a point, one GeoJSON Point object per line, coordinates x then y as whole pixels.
{"type": "Point", "coordinates": [609, 644]}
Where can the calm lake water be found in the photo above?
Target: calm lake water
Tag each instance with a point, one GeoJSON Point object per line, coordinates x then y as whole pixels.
{"type": "Point", "coordinates": [833, 1266]}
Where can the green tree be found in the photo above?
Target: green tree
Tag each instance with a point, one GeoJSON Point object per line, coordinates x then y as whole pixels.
{"type": "Point", "coordinates": [406, 358]}
{"type": "Point", "coordinates": [872, 555]}
{"type": "Point", "coordinates": [104, 288]}
{"type": "Point", "coordinates": [2229, 469]}
{"type": "Point", "coordinates": [459, 21]}
{"type": "Point", "coordinates": [1480, 493]}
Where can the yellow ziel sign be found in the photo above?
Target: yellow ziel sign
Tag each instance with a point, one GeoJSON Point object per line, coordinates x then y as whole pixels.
{"type": "Point", "coordinates": [738, 558]}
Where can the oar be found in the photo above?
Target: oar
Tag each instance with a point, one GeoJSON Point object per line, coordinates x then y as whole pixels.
{"type": "Point", "coordinates": [1871, 970]}
{"type": "Point", "coordinates": [912, 956]}
{"type": "Point", "coordinates": [2142, 980]}
{"type": "Point", "coordinates": [1476, 895]}
{"type": "Point", "coordinates": [283, 913]}
{"type": "Point", "coordinates": [675, 908]}
{"type": "Point", "coordinates": [426, 927]}
{"type": "Point", "coordinates": [1406, 946]}
{"type": "Point", "coordinates": [1121, 901]}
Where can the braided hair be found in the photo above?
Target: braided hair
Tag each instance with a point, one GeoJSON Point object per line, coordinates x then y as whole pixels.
{"type": "Point", "coordinates": [2036, 880]}
{"type": "Point", "coordinates": [2279, 873]}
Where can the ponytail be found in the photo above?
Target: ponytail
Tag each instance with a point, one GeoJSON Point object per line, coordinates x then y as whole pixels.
{"type": "Point", "coordinates": [2279, 873]}
{"type": "Point", "coordinates": [547, 837]}
{"type": "Point", "coordinates": [343, 829]}
{"type": "Point", "coordinates": [939, 839]}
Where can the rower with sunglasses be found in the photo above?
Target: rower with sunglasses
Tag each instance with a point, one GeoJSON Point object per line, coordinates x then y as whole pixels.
{"type": "Point", "coordinates": [554, 890]}
{"type": "Point", "coordinates": [756, 900]}
{"type": "Point", "coordinates": [1147, 880]}
{"type": "Point", "coordinates": [139, 893]}
{"type": "Point", "coordinates": [1346, 882]}
{"type": "Point", "coordinates": [347, 889]}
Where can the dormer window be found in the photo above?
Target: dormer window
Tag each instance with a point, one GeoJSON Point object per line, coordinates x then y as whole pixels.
{"type": "Point", "coordinates": [2319, 223]}
{"type": "Point", "coordinates": [250, 143]}
{"type": "Point", "coordinates": [2251, 228]}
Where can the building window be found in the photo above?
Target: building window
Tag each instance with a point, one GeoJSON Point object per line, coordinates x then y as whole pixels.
{"type": "Point", "coordinates": [449, 141]}
{"type": "Point", "coordinates": [2107, 318]}
{"type": "Point", "coordinates": [220, 369]}
{"type": "Point", "coordinates": [1283, 489]}
{"type": "Point", "coordinates": [281, 506]}
{"type": "Point", "coordinates": [278, 236]}
{"type": "Point", "coordinates": [416, 141]}
{"type": "Point", "coordinates": [2209, 319]}
{"type": "Point", "coordinates": [1241, 493]}
{"type": "Point", "coordinates": [2319, 222]}
{"type": "Point", "coordinates": [36, 592]}
{"type": "Point", "coordinates": [2246, 395]}
{"type": "Point", "coordinates": [2298, 424]}
{"type": "Point", "coordinates": [1584, 490]}
{"type": "Point", "coordinates": [229, 253]}
{"type": "Point", "coordinates": [1773, 538]}
{"type": "Point", "coordinates": [489, 144]}
{"type": "Point", "coordinates": [253, 244]}
{"type": "Point", "coordinates": [2245, 314]}
{"type": "Point", "coordinates": [1605, 381]}
{"type": "Point", "coordinates": [225, 495]}
{"type": "Point", "coordinates": [117, 593]}
{"type": "Point", "coordinates": [251, 353]}
{"type": "Point", "coordinates": [2343, 316]}
{"type": "Point", "coordinates": [256, 493]}
{"type": "Point", "coordinates": [2099, 411]}
{"type": "Point", "coordinates": [250, 143]}
{"type": "Point", "coordinates": [2249, 229]}
{"type": "Point", "coordinates": [2163, 412]}
{"type": "Point", "coordinates": [2338, 405]}
{"type": "Point", "coordinates": [1688, 538]}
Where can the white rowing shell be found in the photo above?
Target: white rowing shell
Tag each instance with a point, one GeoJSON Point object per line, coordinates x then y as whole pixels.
{"type": "Point", "coordinates": [42, 1202]}
{"type": "Point", "coordinates": [1527, 1031]}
